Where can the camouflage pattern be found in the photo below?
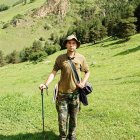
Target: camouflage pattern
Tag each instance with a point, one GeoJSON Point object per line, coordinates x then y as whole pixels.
{"type": "Point", "coordinates": [67, 106]}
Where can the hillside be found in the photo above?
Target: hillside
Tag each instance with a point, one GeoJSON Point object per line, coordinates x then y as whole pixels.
{"type": "Point", "coordinates": [113, 111]}
{"type": "Point", "coordinates": [32, 25]}
{"type": "Point", "coordinates": [30, 29]}
{"type": "Point", "coordinates": [91, 20]}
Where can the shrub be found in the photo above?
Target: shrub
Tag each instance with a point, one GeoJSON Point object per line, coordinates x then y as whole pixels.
{"type": "Point", "coordinates": [31, 1]}
{"type": "Point", "coordinates": [13, 57]}
{"type": "Point", "coordinates": [50, 49]}
{"type": "Point", "coordinates": [125, 28]}
{"type": "Point", "coordinates": [16, 19]}
{"type": "Point", "coordinates": [34, 53]}
{"type": "Point", "coordinates": [6, 25]}
{"type": "Point", "coordinates": [42, 39]}
{"type": "Point", "coordinates": [2, 62]}
{"type": "Point", "coordinates": [37, 56]}
{"type": "Point", "coordinates": [25, 54]}
{"type": "Point", "coordinates": [47, 26]}
{"type": "Point", "coordinates": [3, 7]}
{"type": "Point", "coordinates": [17, 3]}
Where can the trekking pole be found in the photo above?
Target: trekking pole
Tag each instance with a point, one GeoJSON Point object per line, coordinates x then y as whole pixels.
{"type": "Point", "coordinates": [42, 95]}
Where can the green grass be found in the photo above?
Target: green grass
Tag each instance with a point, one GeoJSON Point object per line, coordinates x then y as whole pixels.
{"type": "Point", "coordinates": [19, 9]}
{"type": "Point", "coordinates": [23, 36]}
{"type": "Point", "coordinates": [8, 2]}
{"type": "Point", "coordinates": [114, 108]}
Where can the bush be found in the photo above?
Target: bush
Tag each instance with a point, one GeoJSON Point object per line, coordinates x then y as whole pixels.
{"type": "Point", "coordinates": [34, 53]}
{"type": "Point", "coordinates": [3, 7]}
{"type": "Point", "coordinates": [37, 56]}
{"type": "Point", "coordinates": [2, 62]}
{"type": "Point", "coordinates": [137, 14]}
{"type": "Point", "coordinates": [125, 28]}
{"type": "Point", "coordinates": [18, 16]}
{"type": "Point", "coordinates": [17, 3]}
{"type": "Point", "coordinates": [31, 1]}
{"type": "Point", "coordinates": [6, 25]}
{"type": "Point", "coordinates": [25, 54]}
{"type": "Point", "coordinates": [50, 49]}
{"type": "Point", "coordinates": [42, 39]}
{"type": "Point", "coordinates": [13, 57]}
{"type": "Point", "coordinates": [47, 26]}
{"type": "Point", "coordinates": [16, 19]}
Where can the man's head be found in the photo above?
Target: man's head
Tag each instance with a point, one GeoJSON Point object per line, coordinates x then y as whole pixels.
{"type": "Point", "coordinates": [71, 43]}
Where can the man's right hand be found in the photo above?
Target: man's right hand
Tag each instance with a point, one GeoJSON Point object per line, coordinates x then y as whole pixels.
{"type": "Point", "coordinates": [42, 86]}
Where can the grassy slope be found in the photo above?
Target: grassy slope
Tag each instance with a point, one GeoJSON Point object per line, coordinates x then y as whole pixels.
{"type": "Point", "coordinates": [113, 112]}
{"type": "Point", "coordinates": [19, 9]}
{"type": "Point", "coordinates": [8, 2]}
{"type": "Point", "coordinates": [23, 35]}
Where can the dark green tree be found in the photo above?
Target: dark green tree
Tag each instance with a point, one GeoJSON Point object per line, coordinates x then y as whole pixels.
{"type": "Point", "coordinates": [37, 52]}
{"type": "Point", "coordinates": [51, 48]}
{"type": "Point", "coordinates": [25, 54]}
{"type": "Point", "coordinates": [12, 57]}
{"type": "Point", "coordinates": [2, 61]}
{"type": "Point", "coordinates": [3, 7]}
{"type": "Point", "coordinates": [125, 28]}
{"type": "Point", "coordinates": [137, 15]}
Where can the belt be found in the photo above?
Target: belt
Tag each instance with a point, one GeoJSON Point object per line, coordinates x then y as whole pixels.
{"type": "Point", "coordinates": [72, 95]}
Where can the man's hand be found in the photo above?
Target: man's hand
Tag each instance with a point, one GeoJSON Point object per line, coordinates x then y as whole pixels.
{"type": "Point", "coordinates": [42, 86]}
{"type": "Point", "coordinates": [81, 85]}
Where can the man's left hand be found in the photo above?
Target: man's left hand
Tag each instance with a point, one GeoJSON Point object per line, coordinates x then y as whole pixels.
{"type": "Point", "coordinates": [81, 85]}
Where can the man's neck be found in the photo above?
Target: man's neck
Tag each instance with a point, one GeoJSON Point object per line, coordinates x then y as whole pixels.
{"type": "Point", "coordinates": [71, 54]}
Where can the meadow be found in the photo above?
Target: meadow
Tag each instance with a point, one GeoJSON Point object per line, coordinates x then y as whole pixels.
{"type": "Point", "coordinates": [113, 112]}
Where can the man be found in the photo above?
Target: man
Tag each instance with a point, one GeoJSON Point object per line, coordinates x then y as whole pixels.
{"type": "Point", "coordinates": [67, 102]}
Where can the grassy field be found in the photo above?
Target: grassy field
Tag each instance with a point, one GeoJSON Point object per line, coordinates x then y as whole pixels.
{"type": "Point", "coordinates": [19, 9]}
{"type": "Point", "coordinates": [114, 108]}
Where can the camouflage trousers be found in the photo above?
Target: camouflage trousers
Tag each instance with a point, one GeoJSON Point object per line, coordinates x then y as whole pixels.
{"type": "Point", "coordinates": [67, 106]}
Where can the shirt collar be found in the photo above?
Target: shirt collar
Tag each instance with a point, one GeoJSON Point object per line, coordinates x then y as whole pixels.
{"type": "Point", "coordinates": [71, 58]}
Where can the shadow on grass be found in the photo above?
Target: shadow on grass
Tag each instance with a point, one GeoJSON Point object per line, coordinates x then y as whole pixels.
{"type": "Point", "coordinates": [49, 135]}
{"type": "Point", "coordinates": [129, 51]}
{"type": "Point", "coordinates": [117, 42]}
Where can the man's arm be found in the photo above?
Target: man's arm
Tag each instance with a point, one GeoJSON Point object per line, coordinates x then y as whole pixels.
{"type": "Point", "coordinates": [82, 83]}
{"type": "Point", "coordinates": [49, 80]}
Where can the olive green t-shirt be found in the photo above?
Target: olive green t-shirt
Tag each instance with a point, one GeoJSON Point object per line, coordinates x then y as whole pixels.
{"type": "Point", "coordinates": [67, 83]}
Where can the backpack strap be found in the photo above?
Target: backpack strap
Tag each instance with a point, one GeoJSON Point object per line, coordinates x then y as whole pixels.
{"type": "Point", "coordinates": [74, 70]}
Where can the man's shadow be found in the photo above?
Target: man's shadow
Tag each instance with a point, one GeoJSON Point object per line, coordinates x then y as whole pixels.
{"type": "Point", "coordinates": [49, 135]}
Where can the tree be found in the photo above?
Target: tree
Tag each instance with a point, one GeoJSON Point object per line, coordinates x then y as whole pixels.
{"type": "Point", "coordinates": [3, 7]}
{"type": "Point", "coordinates": [94, 35]}
{"type": "Point", "coordinates": [25, 54]}
{"type": "Point", "coordinates": [13, 57]}
{"type": "Point", "coordinates": [37, 52]}
{"type": "Point", "coordinates": [51, 48]}
{"type": "Point", "coordinates": [24, 1]}
{"type": "Point", "coordinates": [137, 15]}
{"type": "Point", "coordinates": [125, 28]}
{"type": "Point", "coordinates": [2, 62]}
{"type": "Point", "coordinates": [34, 53]}
{"type": "Point", "coordinates": [31, 1]}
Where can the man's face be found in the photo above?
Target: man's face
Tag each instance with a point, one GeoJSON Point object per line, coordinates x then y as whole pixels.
{"type": "Point", "coordinates": [71, 45]}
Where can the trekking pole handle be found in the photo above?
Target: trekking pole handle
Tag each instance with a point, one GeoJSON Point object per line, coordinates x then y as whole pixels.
{"type": "Point", "coordinates": [41, 91]}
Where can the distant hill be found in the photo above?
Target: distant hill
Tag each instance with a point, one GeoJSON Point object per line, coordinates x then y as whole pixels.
{"type": "Point", "coordinates": [29, 28]}
{"type": "Point", "coordinates": [42, 18]}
